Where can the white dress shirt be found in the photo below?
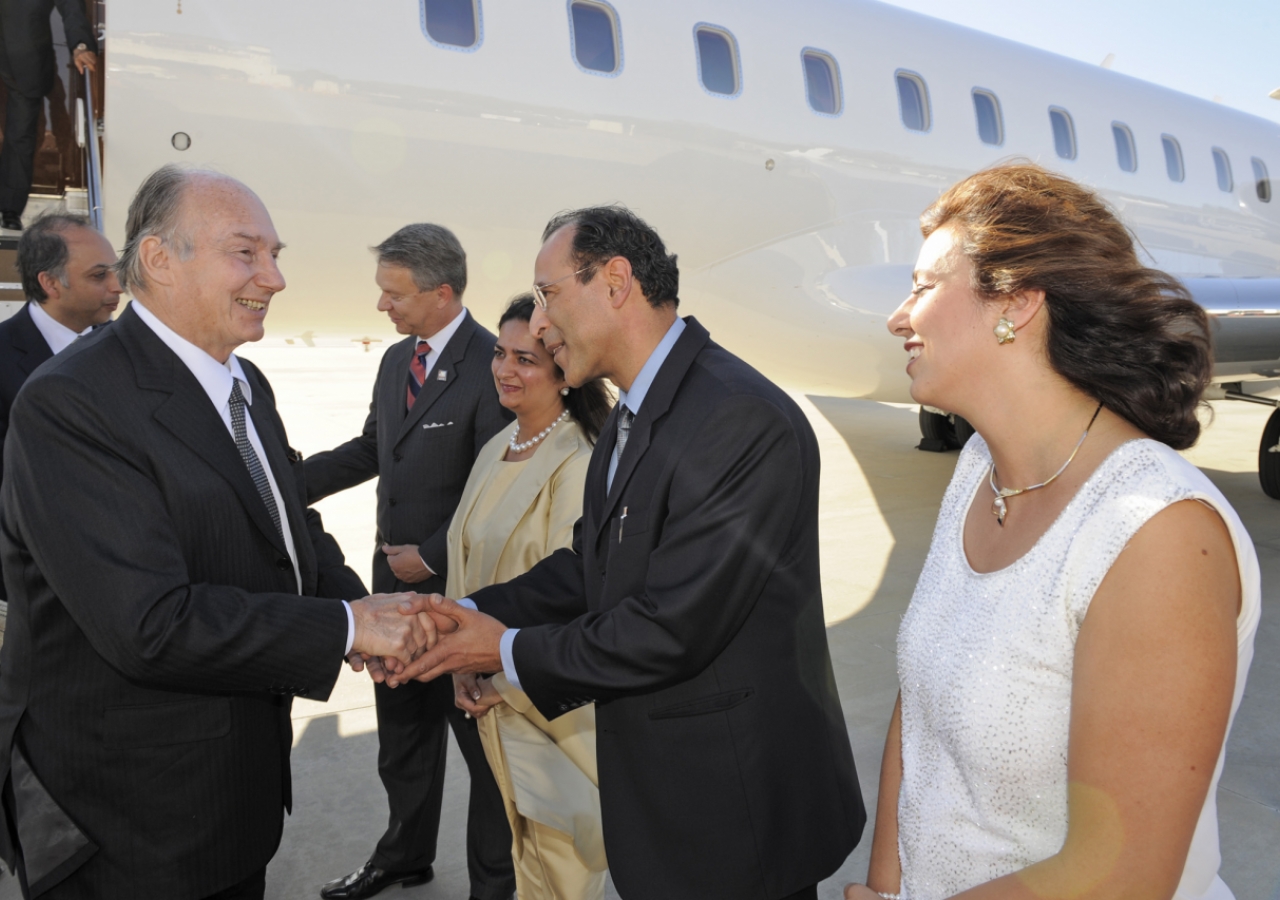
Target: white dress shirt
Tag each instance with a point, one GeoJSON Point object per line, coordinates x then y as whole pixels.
{"type": "Point", "coordinates": [58, 336]}
{"type": "Point", "coordinates": [217, 379]}
{"type": "Point", "coordinates": [632, 400]}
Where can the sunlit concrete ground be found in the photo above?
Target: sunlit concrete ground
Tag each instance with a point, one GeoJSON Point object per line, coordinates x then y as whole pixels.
{"type": "Point", "coordinates": [879, 501]}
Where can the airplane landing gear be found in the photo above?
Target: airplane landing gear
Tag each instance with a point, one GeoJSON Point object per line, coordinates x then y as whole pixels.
{"type": "Point", "coordinates": [1269, 457]}
{"type": "Point", "coordinates": [941, 431]}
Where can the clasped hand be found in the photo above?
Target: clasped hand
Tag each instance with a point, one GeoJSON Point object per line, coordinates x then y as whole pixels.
{"type": "Point", "coordinates": [457, 639]}
{"type": "Point", "coordinates": [389, 628]}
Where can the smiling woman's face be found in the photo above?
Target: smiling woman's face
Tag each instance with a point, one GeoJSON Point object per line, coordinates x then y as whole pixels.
{"type": "Point", "coordinates": [527, 379]}
{"type": "Point", "coordinates": [946, 327]}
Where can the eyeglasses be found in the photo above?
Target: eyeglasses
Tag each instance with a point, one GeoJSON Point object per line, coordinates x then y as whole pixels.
{"type": "Point", "coordinates": [539, 288]}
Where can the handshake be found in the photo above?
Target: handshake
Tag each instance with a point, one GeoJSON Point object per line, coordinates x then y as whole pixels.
{"type": "Point", "coordinates": [403, 637]}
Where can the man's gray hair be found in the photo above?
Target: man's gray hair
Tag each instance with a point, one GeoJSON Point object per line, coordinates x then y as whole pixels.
{"type": "Point", "coordinates": [155, 210]}
{"type": "Point", "coordinates": [431, 253]}
{"type": "Point", "coordinates": [43, 248]}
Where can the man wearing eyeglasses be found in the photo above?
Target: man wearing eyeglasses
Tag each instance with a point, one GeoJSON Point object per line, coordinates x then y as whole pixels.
{"type": "Point", "coordinates": [434, 407]}
{"type": "Point", "coordinates": [689, 609]}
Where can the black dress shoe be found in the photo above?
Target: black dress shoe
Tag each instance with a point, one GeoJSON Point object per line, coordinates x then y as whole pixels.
{"type": "Point", "coordinates": [11, 221]}
{"type": "Point", "coordinates": [369, 880]}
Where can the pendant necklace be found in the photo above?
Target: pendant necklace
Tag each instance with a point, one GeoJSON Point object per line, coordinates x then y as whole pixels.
{"type": "Point", "coordinates": [1000, 509]}
{"type": "Point", "coordinates": [520, 448]}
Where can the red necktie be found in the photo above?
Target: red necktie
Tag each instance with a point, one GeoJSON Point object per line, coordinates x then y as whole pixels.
{"type": "Point", "coordinates": [417, 371]}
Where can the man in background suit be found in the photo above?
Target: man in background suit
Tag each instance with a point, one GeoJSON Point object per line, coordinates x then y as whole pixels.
{"type": "Point", "coordinates": [689, 609]}
{"type": "Point", "coordinates": [27, 67]}
{"type": "Point", "coordinates": [164, 575]}
{"type": "Point", "coordinates": [434, 406]}
{"type": "Point", "coordinates": [71, 287]}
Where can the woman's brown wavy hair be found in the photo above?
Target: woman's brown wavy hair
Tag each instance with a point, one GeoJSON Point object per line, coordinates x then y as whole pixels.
{"type": "Point", "coordinates": [1129, 336]}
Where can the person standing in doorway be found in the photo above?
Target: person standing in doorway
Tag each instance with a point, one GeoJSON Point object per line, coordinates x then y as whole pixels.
{"type": "Point", "coordinates": [28, 69]}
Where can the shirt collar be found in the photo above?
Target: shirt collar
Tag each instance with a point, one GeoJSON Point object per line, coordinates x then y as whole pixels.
{"type": "Point", "coordinates": [58, 336]}
{"type": "Point", "coordinates": [640, 387]}
{"type": "Point", "coordinates": [440, 339]}
{"type": "Point", "coordinates": [215, 377]}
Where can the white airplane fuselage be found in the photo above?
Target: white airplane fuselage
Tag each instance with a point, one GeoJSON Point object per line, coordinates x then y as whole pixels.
{"type": "Point", "coordinates": [796, 231]}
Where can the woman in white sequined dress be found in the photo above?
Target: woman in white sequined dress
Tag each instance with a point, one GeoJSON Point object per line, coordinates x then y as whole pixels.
{"type": "Point", "coordinates": [1077, 644]}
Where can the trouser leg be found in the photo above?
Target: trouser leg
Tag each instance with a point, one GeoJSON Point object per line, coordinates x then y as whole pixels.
{"type": "Point", "coordinates": [809, 893]}
{"type": "Point", "coordinates": [488, 831]}
{"type": "Point", "coordinates": [18, 155]}
{"type": "Point", "coordinates": [412, 742]}
{"type": "Point", "coordinates": [252, 888]}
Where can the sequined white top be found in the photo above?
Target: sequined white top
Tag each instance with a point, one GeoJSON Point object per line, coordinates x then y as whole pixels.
{"type": "Point", "coordinates": [985, 664]}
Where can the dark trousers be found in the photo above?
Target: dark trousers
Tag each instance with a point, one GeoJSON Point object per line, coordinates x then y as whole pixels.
{"type": "Point", "coordinates": [809, 893]}
{"type": "Point", "coordinates": [18, 155]}
{"type": "Point", "coordinates": [412, 742]}
{"type": "Point", "coordinates": [252, 888]}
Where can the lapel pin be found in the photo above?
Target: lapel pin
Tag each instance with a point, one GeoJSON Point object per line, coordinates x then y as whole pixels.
{"type": "Point", "coordinates": [442, 375]}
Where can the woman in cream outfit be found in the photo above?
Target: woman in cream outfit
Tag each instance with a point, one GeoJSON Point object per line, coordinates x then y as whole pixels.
{"type": "Point", "coordinates": [520, 505]}
{"type": "Point", "coordinates": [1078, 642]}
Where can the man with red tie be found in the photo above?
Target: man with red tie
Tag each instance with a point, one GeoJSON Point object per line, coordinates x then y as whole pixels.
{"type": "Point", "coordinates": [434, 406]}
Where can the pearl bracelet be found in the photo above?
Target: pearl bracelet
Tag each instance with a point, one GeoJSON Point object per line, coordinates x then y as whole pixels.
{"type": "Point", "coordinates": [891, 896]}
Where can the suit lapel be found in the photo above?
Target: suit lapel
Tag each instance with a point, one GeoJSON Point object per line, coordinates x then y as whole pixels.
{"type": "Point", "coordinates": [436, 383]}
{"type": "Point", "coordinates": [189, 415]}
{"type": "Point", "coordinates": [27, 338]}
{"type": "Point", "coordinates": [656, 403]}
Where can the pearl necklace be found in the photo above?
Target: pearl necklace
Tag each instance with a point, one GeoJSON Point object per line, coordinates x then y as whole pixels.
{"type": "Point", "coordinates": [1000, 509]}
{"type": "Point", "coordinates": [520, 448]}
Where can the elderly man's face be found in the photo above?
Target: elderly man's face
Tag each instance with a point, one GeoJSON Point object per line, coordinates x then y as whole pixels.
{"type": "Point", "coordinates": [92, 291]}
{"type": "Point", "coordinates": [224, 289]}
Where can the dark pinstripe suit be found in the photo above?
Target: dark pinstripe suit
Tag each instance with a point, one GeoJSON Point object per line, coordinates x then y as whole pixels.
{"type": "Point", "coordinates": [22, 350]}
{"type": "Point", "coordinates": [422, 460]}
{"type": "Point", "coordinates": [155, 635]}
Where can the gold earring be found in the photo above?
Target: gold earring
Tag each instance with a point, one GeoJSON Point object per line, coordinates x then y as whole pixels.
{"type": "Point", "coordinates": [1004, 331]}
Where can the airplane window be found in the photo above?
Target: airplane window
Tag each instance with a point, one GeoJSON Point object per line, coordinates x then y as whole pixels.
{"type": "Point", "coordinates": [455, 23]}
{"type": "Point", "coordinates": [1064, 132]}
{"type": "Point", "coordinates": [1222, 165]}
{"type": "Point", "coordinates": [1263, 182]}
{"type": "Point", "coordinates": [987, 108]}
{"type": "Point", "coordinates": [1126, 154]}
{"type": "Point", "coordinates": [822, 82]}
{"type": "Point", "coordinates": [1173, 157]}
{"type": "Point", "coordinates": [595, 39]}
{"type": "Point", "coordinates": [913, 100]}
{"type": "Point", "coordinates": [717, 60]}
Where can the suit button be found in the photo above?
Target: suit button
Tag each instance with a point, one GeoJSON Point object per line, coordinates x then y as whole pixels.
{"type": "Point", "coordinates": [283, 564]}
{"type": "Point", "coordinates": [397, 457]}
{"type": "Point", "coordinates": [391, 502]}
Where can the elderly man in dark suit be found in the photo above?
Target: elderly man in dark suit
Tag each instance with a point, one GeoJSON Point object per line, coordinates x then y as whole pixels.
{"type": "Point", "coordinates": [71, 288]}
{"type": "Point", "coordinates": [689, 609]}
{"type": "Point", "coordinates": [434, 406]}
{"type": "Point", "coordinates": [27, 67]}
{"type": "Point", "coordinates": [165, 577]}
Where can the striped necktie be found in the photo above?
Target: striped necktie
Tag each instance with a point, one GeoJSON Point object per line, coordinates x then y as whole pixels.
{"type": "Point", "coordinates": [250, 456]}
{"type": "Point", "coordinates": [417, 371]}
{"type": "Point", "coordinates": [625, 418]}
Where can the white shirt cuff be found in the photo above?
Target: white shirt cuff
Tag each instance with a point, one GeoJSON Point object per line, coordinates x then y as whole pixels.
{"type": "Point", "coordinates": [351, 628]}
{"type": "Point", "coordinates": [505, 645]}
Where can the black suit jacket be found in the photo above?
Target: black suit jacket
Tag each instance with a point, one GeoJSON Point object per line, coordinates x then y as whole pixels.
{"type": "Point", "coordinates": [690, 610]}
{"type": "Point", "coordinates": [155, 631]}
{"type": "Point", "coordinates": [22, 349]}
{"type": "Point", "coordinates": [422, 458]}
{"type": "Point", "coordinates": [27, 59]}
